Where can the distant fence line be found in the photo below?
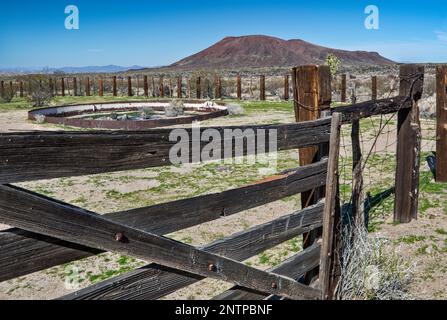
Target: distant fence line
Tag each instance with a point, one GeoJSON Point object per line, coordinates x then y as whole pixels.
{"type": "Point", "coordinates": [217, 87]}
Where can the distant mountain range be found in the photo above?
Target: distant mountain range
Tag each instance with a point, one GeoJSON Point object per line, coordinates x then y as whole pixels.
{"type": "Point", "coordinates": [256, 51]}
{"type": "Point", "coordinates": [261, 51]}
{"type": "Point", "coordinates": [88, 69]}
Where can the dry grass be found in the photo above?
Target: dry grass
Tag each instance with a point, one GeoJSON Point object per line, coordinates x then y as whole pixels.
{"type": "Point", "coordinates": [371, 269]}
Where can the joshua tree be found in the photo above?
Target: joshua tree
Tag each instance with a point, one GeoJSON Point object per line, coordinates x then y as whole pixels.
{"type": "Point", "coordinates": [333, 62]}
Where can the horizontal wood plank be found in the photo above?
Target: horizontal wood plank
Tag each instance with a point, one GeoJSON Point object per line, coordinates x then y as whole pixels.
{"type": "Point", "coordinates": [45, 155]}
{"type": "Point", "coordinates": [25, 252]}
{"type": "Point", "coordinates": [154, 281]}
{"type": "Point", "coordinates": [294, 267]}
{"type": "Point", "coordinates": [66, 223]}
{"type": "Point", "coordinates": [372, 108]}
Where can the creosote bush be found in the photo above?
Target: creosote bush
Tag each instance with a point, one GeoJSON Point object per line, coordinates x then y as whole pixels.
{"type": "Point", "coordinates": [235, 109]}
{"type": "Point", "coordinates": [40, 94]}
{"type": "Point", "coordinates": [175, 109]}
{"type": "Point", "coordinates": [6, 96]}
{"type": "Point", "coordinates": [371, 269]}
{"type": "Point", "coordinates": [40, 119]}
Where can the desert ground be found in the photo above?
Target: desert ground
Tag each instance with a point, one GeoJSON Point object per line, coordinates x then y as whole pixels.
{"type": "Point", "coordinates": [422, 243]}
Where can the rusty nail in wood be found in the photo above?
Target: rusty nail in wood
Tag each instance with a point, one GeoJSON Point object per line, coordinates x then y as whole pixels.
{"type": "Point", "coordinates": [119, 236]}
{"type": "Point", "coordinates": [212, 268]}
{"type": "Point", "coordinates": [274, 286]}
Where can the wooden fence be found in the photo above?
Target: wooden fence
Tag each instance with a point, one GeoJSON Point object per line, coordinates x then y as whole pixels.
{"type": "Point", "coordinates": [408, 141]}
{"type": "Point", "coordinates": [48, 232]}
{"type": "Point", "coordinates": [441, 128]}
{"type": "Point", "coordinates": [177, 87]}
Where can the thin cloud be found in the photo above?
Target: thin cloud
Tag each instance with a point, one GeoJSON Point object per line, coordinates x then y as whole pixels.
{"type": "Point", "coordinates": [94, 50]}
{"type": "Point", "coordinates": [441, 35]}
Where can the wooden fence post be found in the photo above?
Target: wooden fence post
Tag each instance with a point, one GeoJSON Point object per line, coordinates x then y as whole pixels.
{"type": "Point", "coordinates": [441, 124]}
{"type": "Point", "coordinates": [357, 202]}
{"type": "Point", "coordinates": [343, 88]}
{"type": "Point", "coordinates": [21, 88]}
{"type": "Point", "coordinates": [179, 87]}
{"type": "Point", "coordinates": [408, 145]}
{"type": "Point", "coordinates": [239, 87]}
{"type": "Point", "coordinates": [198, 88]}
{"type": "Point", "coordinates": [75, 86]}
{"type": "Point", "coordinates": [374, 88]}
{"type": "Point", "coordinates": [329, 248]}
{"type": "Point", "coordinates": [2, 88]}
{"type": "Point", "coordinates": [101, 87]}
{"type": "Point", "coordinates": [11, 88]}
{"type": "Point", "coordinates": [129, 87]}
{"type": "Point", "coordinates": [286, 87]}
{"type": "Point", "coordinates": [63, 87]}
{"type": "Point", "coordinates": [312, 95]}
{"type": "Point", "coordinates": [87, 87]}
{"type": "Point", "coordinates": [114, 89]}
{"type": "Point", "coordinates": [262, 88]}
{"type": "Point", "coordinates": [146, 86]}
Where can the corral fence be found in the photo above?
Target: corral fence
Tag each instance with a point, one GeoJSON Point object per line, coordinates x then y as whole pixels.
{"type": "Point", "coordinates": [196, 87]}
{"type": "Point", "coordinates": [202, 86]}
{"type": "Point", "coordinates": [47, 232]}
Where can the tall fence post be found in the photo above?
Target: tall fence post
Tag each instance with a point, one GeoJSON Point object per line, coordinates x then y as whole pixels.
{"type": "Point", "coordinates": [441, 124]}
{"type": "Point", "coordinates": [146, 86]}
{"type": "Point", "coordinates": [198, 88]}
{"type": "Point", "coordinates": [343, 88]}
{"type": "Point", "coordinates": [75, 86]}
{"type": "Point", "coordinates": [239, 87]}
{"type": "Point", "coordinates": [374, 88]}
{"type": "Point", "coordinates": [312, 98]}
{"type": "Point", "coordinates": [129, 86]}
{"type": "Point", "coordinates": [179, 87]}
{"type": "Point", "coordinates": [101, 87]}
{"type": "Point", "coordinates": [328, 274]}
{"type": "Point", "coordinates": [408, 145]}
{"type": "Point", "coordinates": [2, 88]}
{"type": "Point", "coordinates": [357, 202]}
{"type": "Point", "coordinates": [286, 87]}
{"type": "Point", "coordinates": [87, 87]}
{"type": "Point", "coordinates": [63, 87]}
{"type": "Point", "coordinates": [262, 88]}
{"type": "Point", "coordinates": [114, 89]}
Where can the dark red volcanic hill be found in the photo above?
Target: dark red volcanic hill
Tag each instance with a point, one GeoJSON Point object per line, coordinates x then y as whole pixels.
{"type": "Point", "coordinates": [263, 51]}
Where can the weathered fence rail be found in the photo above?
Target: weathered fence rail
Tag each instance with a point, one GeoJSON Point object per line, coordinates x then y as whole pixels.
{"type": "Point", "coordinates": [48, 232]}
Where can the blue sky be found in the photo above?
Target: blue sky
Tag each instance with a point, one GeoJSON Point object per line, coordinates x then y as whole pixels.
{"type": "Point", "coordinates": [152, 33]}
